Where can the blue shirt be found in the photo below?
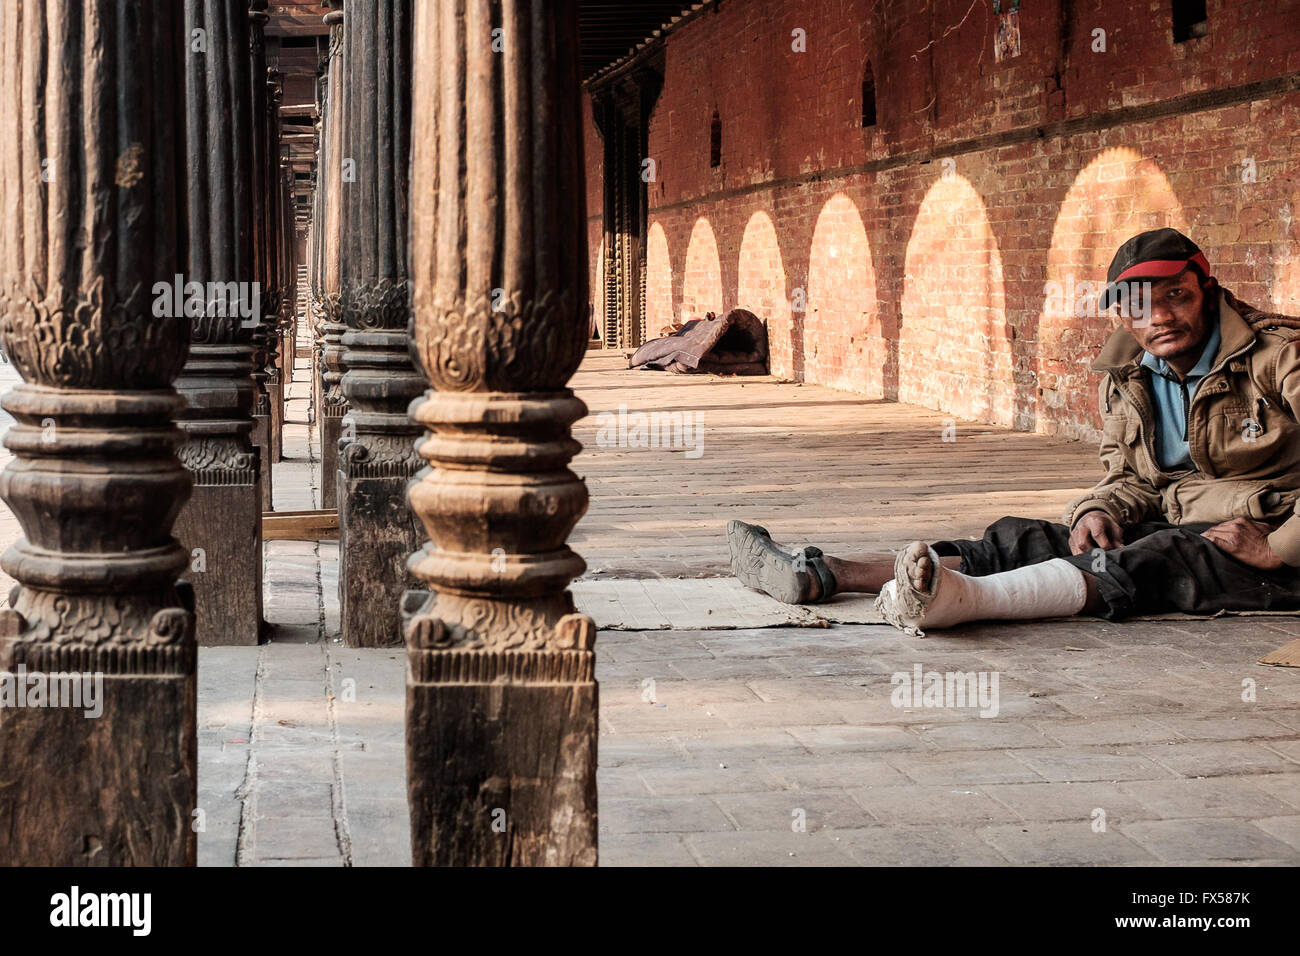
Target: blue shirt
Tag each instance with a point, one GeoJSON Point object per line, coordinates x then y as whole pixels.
{"type": "Point", "coordinates": [1173, 398]}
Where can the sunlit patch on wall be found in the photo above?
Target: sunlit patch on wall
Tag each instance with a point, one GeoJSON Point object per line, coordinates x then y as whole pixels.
{"type": "Point", "coordinates": [702, 275]}
{"type": "Point", "coordinates": [839, 331]}
{"type": "Point", "coordinates": [1117, 195]}
{"type": "Point", "coordinates": [761, 288]}
{"type": "Point", "coordinates": [658, 281]}
{"type": "Point", "coordinates": [954, 347]}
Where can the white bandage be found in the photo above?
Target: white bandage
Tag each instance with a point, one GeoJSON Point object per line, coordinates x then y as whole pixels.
{"type": "Point", "coordinates": [1053, 588]}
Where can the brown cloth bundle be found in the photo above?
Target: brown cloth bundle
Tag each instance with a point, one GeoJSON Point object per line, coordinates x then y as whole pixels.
{"type": "Point", "coordinates": [735, 344]}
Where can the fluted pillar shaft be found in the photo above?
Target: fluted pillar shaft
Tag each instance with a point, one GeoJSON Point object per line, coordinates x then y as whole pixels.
{"type": "Point", "coordinates": [91, 165]}
{"type": "Point", "coordinates": [501, 700]}
{"type": "Point", "coordinates": [377, 457]}
{"type": "Point", "coordinates": [288, 234]}
{"type": "Point", "coordinates": [272, 261]}
{"type": "Point", "coordinates": [256, 129]}
{"type": "Point", "coordinates": [222, 525]}
{"type": "Point", "coordinates": [341, 172]}
{"type": "Point", "coordinates": [315, 231]}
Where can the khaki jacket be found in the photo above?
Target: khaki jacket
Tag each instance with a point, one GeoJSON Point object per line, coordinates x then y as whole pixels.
{"type": "Point", "coordinates": [1242, 433]}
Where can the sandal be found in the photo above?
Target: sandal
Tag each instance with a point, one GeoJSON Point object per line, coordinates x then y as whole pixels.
{"type": "Point", "coordinates": [761, 564]}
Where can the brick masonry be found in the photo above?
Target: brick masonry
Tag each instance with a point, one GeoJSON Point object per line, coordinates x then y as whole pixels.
{"type": "Point", "coordinates": [916, 260]}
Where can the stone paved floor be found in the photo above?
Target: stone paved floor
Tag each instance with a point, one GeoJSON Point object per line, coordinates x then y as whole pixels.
{"type": "Point", "coordinates": [301, 747]}
{"type": "Point", "coordinates": [1112, 744]}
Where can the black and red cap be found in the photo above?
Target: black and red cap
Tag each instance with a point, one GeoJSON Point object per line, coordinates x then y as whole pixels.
{"type": "Point", "coordinates": [1150, 256]}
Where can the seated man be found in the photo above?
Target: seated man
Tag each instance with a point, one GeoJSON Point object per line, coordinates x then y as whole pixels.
{"type": "Point", "coordinates": [1198, 508]}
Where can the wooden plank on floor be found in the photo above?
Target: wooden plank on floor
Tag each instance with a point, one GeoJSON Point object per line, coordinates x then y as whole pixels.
{"type": "Point", "coordinates": [319, 525]}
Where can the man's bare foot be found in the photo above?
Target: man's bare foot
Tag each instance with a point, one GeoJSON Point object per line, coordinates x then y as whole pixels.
{"type": "Point", "coordinates": [904, 600]}
{"type": "Point", "coordinates": [918, 565]}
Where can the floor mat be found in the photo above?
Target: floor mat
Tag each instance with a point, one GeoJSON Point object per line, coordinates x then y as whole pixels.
{"type": "Point", "coordinates": [690, 604]}
{"type": "Point", "coordinates": [1288, 655]}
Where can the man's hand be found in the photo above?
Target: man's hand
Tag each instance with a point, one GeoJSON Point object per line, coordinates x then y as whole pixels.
{"type": "Point", "coordinates": [1247, 541]}
{"type": "Point", "coordinates": [1095, 529]}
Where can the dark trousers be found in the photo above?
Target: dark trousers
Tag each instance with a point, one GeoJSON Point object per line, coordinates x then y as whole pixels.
{"type": "Point", "coordinates": [1161, 567]}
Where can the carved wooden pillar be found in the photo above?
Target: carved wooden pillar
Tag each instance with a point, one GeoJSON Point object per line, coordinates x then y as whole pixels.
{"type": "Point", "coordinates": [288, 234]}
{"type": "Point", "coordinates": [284, 245]}
{"type": "Point", "coordinates": [340, 174]}
{"type": "Point", "coordinates": [91, 165]}
{"type": "Point", "coordinates": [272, 264]}
{"type": "Point", "coordinates": [377, 457]}
{"type": "Point", "coordinates": [501, 700]}
{"type": "Point", "coordinates": [315, 233]}
{"type": "Point", "coordinates": [256, 129]}
{"type": "Point", "coordinates": [221, 527]}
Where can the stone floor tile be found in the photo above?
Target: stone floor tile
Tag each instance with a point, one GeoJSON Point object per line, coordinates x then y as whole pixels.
{"type": "Point", "coordinates": [844, 738]}
{"type": "Point", "coordinates": [642, 849]}
{"type": "Point", "coordinates": [1064, 844]}
{"type": "Point", "coordinates": [727, 745]}
{"type": "Point", "coordinates": [1284, 828]}
{"type": "Point", "coordinates": [1217, 759]}
{"type": "Point", "coordinates": [1102, 731]}
{"type": "Point", "coordinates": [1073, 802]}
{"type": "Point", "coordinates": [698, 777]}
{"type": "Point", "coordinates": [661, 815]}
{"type": "Point", "coordinates": [1225, 727]}
{"type": "Point", "coordinates": [769, 848]}
{"type": "Point", "coordinates": [808, 809]}
{"type": "Point", "coordinates": [979, 733]}
{"type": "Point", "coordinates": [1185, 840]}
{"type": "Point", "coordinates": [932, 805]}
{"type": "Point", "coordinates": [916, 846]}
{"type": "Point", "coordinates": [1068, 765]}
{"type": "Point", "coordinates": [1240, 797]}
{"type": "Point", "coordinates": [962, 768]}
{"type": "Point", "coordinates": [833, 771]}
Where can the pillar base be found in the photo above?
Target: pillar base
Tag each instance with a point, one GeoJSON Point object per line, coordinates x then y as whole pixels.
{"type": "Point", "coordinates": [117, 790]}
{"type": "Point", "coordinates": [501, 731]}
{"type": "Point", "coordinates": [381, 533]}
{"type": "Point", "coordinates": [284, 357]}
{"type": "Point", "coordinates": [501, 774]}
{"type": "Point", "coordinates": [275, 421]}
{"type": "Point", "coordinates": [261, 440]}
{"type": "Point", "coordinates": [109, 777]}
{"type": "Point", "coordinates": [226, 522]}
{"type": "Point", "coordinates": [331, 430]}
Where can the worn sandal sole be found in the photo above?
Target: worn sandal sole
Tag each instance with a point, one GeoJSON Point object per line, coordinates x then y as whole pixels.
{"type": "Point", "coordinates": [761, 565]}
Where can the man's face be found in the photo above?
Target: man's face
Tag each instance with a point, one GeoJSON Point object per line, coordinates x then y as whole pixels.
{"type": "Point", "coordinates": [1177, 323]}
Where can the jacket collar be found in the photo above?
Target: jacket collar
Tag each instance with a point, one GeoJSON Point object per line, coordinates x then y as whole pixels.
{"type": "Point", "coordinates": [1121, 353]}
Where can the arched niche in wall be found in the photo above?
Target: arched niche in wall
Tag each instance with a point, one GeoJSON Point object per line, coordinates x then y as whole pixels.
{"type": "Point", "coordinates": [658, 281]}
{"type": "Point", "coordinates": [954, 347]}
{"type": "Point", "coordinates": [761, 288]}
{"type": "Point", "coordinates": [842, 344]}
{"type": "Point", "coordinates": [1117, 195]}
{"type": "Point", "coordinates": [702, 274]}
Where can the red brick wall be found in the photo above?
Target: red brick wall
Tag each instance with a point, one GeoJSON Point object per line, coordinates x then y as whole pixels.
{"type": "Point", "coordinates": [887, 267]}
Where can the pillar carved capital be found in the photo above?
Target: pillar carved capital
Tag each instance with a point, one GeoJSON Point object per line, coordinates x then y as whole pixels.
{"type": "Point", "coordinates": [62, 332]}
{"type": "Point", "coordinates": [521, 341]}
{"type": "Point", "coordinates": [381, 304]}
